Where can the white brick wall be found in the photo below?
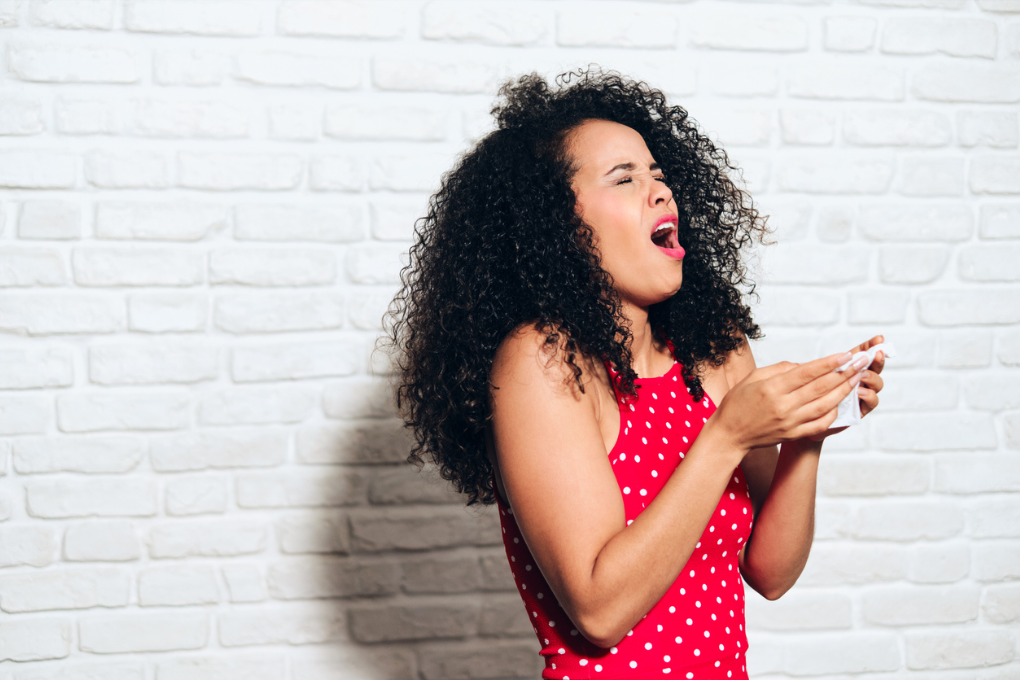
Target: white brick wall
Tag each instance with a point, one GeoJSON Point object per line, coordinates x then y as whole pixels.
{"type": "Point", "coordinates": [204, 205]}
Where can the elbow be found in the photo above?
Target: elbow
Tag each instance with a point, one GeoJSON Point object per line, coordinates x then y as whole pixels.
{"type": "Point", "coordinates": [774, 593]}
{"type": "Point", "coordinates": [771, 590]}
{"type": "Point", "coordinates": [600, 629]}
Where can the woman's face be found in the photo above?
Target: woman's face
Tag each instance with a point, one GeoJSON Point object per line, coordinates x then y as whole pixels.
{"type": "Point", "coordinates": [622, 196]}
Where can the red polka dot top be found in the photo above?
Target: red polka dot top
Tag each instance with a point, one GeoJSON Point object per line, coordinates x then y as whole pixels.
{"type": "Point", "coordinates": [695, 631]}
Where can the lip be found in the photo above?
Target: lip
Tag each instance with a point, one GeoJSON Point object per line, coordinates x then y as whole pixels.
{"type": "Point", "coordinates": [675, 252]}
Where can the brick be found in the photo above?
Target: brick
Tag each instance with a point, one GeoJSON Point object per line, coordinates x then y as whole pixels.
{"type": "Point", "coordinates": [109, 496]}
{"type": "Point", "coordinates": [734, 127]}
{"type": "Point", "coordinates": [1009, 430]}
{"type": "Point", "coordinates": [206, 538]}
{"type": "Point", "coordinates": [275, 267]}
{"type": "Point", "coordinates": [101, 541]}
{"type": "Point", "coordinates": [792, 307]}
{"type": "Point", "coordinates": [46, 219]}
{"type": "Point", "coordinates": [469, 661]}
{"type": "Point", "coordinates": [942, 223]}
{"type": "Point", "coordinates": [920, 604]}
{"type": "Point", "coordinates": [953, 308]}
{"type": "Point", "coordinates": [394, 623]}
{"type": "Point", "coordinates": [396, 121]}
{"type": "Point", "coordinates": [994, 175]}
{"type": "Point", "coordinates": [313, 534]}
{"type": "Point", "coordinates": [189, 67]}
{"type": "Point", "coordinates": [908, 520]}
{"type": "Point", "coordinates": [732, 80]}
{"type": "Point", "coordinates": [633, 27]}
{"type": "Point", "coordinates": [87, 455]}
{"type": "Point", "coordinates": [97, 411]}
{"type": "Point", "coordinates": [199, 17]}
{"type": "Point", "coordinates": [97, 14]}
{"type": "Point", "coordinates": [999, 222]}
{"type": "Point", "coordinates": [304, 624]}
{"type": "Point", "coordinates": [35, 640]}
{"type": "Point", "coordinates": [850, 34]}
{"type": "Point", "coordinates": [952, 82]}
{"type": "Point", "coordinates": [167, 312]}
{"type": "Point", "coordinates": [178, 586]}
{"type": "Point", "coordinates": [408, 173]}
{"type": "Point", "coordinates": [807, 126]}
{"type": "Point", "coordinates": [218, 450]}
{"type": "Point", "coordinates": [931, 177]}
{"type": "Point", "coordinates": [152, 363]}
{"type": "Point", "coordinates": [1011, 6]}
{"type": "Point", "coordinates": [140, 632]}
{"type": "Point", "coordinates": [321, 577]}
{"type": "Point", "coordinates": [335, 224]}
{"type": "Point", "coordinates": [177, 221]}
{"type": "Point", "coordinates": [21, 116]}
{"type": "Point", "coordinates": [936, 431]}
{"type": "Point", "coordinates": [32, 267]}
{"type": "Point", "coordinates": [973, 473]}
{"type": "Point", "coordinates": [184, 118]}
{"type": "Point", "coordinates": [993, 392]}
{"type": "Point", "coordinates": [358, 399]}
{"type": "Point", "coordinates": [301, 122]}
{"type": "Point", "coordinates": [912, 264]}
{"type": "Point", "coordinates": [994, 516]}
{"type": "Point", "coordinates": [893, 128]}
{"type": "Point", "coordinates": [959, 37]}
{"type": "Point", "coordinates": [834, 224]}
{"type": "Point", "coordinates": [378, 662]}
{"type": "Point", "coordinates": [963, 648]}
{"type": "Point", "coordinates": [24, 414]}
{"type": "Point", "coordinates": [234, 667]}
{"type": "Point", "coordinates": [1008, 348]}
{"type": "Point", "coordinates": [298, 70]}
{"type": "Point", "coordinates": [191, 495]}
{"type": "Point", "coordinates": [239, 171]}
{"type": "Point", "coordinates": [9, 12]}
{"type": "Point", "coordinates": [732, 30]}
{"type": "Point", "coordinates": [368, 305]}
{"type": "Point", "coordinates": [433, 74]}
{"type": "Point", "coordinates": [348, 18]}
{"type": "Point", "coordinates": [376, 441]}
{"type": "Point", "coordinates": [322, 488]}
{"type": "Point", "coordinates": [408, 485]}
{"type": "Point", "coordinates": [336, 174]}
{"type": "Point", "coordinates": [297, 360]}
{"type": "Point", "coordinates": [38, 169]}
{"type": "Point", "coordinates": [845, 80]}
{"type": "Point", "coordinates": [84, 671]}
{"type": "Point", "coordinates": [244, 583]}
{"type": "Point", "coordinates": [818, 264]}
{"type": "Point", "coordinates": [853, 174]}
{"type": "Point", "coordinates": [518, 24]}
{"type": "Point", "coordinates": [81, 116]}
{"type": "Point", "coordinates": [802, 609]}
{"type": "Point", "coordinates": [496, 576]}
{"type": "Point", "coordinates": [51, 64]}
{"type": "Point", "coordinates": [996, 129]}
{"type": "Point", "coordinates": [77, 588]}
{"type": "Point", "coordinates": [255, 406]}
{"type": "Point", "coordinates": [114, 267]}
{"type": "Point", "coordinates": [1000, 604]}
{"type": "Point", "coordinates": [27, 545]}
{"type": "Point", "coordinates": [874, 475]}
{"type": "Point", "coordinates": [844, 564]}
{"type": "Point", "coordinates": [443, 574]}
{"type": "Point", "coordinates": [278, 312]}
{"type": "Point", "coordinates": [939, 562]}
{"type": "Point", "coordinates": [394, 220]}
{"type": "Point", "coordinates": [920, 393]}
{"type": "Point", "coordinates": [411, 529]}
{"type": "Point", "coordinates": [502, 616]}
{"type": "Point", "coordinates": [36, 367]}
{"type": "Point", "coordinates": [843, 654]}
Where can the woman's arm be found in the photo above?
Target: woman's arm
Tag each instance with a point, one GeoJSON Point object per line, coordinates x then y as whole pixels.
{"type": "Point", "coordinates": [561, 486]}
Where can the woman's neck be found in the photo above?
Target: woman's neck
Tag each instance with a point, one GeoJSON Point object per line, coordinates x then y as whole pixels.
{"type": "Point", "coordinates": [649, 358]}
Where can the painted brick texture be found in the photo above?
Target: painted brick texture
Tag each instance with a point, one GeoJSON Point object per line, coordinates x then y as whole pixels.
{"type": "Point", "coordinates": [204, 207]}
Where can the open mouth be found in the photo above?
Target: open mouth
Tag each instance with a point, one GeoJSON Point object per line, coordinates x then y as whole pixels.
{"type": "Point", "coordinates": [666, 237]}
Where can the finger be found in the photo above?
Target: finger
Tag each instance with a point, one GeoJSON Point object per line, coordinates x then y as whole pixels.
{"type": "Point", "coordinates": [868, 400]}
{"type": "Point", "coordinates": [873, 341]}
{"type": "Point", "coordinates": [872, 380]}
{"type": "Point", "coordinates": [878, 362]}
{"type": "Point", "coordinates": [807, 372]}
{"type": "Point", "coordinates": [812, 410]}
{"type": "Point", "coordinates": [821, 386]}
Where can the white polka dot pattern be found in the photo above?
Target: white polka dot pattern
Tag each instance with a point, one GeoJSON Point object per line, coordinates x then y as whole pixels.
{"type": "Point", "coordinates": [686, 635]}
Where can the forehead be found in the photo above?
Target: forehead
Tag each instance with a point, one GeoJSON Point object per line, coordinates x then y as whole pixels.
{"type": "Point", "coordinates": [597, 144]}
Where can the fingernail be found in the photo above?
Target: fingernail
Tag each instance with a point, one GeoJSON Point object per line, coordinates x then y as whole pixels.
{"type": "Point", "coordinates": [862, 363]}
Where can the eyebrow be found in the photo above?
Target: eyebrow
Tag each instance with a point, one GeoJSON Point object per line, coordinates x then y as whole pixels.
{"type": "Point", "coordinates": [629, 166]}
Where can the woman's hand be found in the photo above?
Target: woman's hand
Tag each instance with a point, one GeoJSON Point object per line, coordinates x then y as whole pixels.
{"type": "Point", "coordinates": [786, 401]}
{"type": "Point", "coordinates": [870, 384]}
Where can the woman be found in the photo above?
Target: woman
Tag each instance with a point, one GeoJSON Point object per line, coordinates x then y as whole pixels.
{"type": "Point", "coordinates": [554, 361]}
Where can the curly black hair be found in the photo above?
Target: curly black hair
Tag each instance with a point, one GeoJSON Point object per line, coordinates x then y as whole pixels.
{"type": "Point", "coordinates": [502, 246]}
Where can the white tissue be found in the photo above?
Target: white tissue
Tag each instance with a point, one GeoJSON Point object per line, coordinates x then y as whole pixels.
{"type": "Point", "coordinates": [849, 408]}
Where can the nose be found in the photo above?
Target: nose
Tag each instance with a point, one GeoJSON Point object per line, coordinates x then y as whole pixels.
{"type": "Point", "coordinates": [660, 193]}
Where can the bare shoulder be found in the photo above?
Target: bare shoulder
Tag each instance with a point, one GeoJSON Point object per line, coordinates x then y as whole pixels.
{"type": "Point", "coordinates": [739, 363]}
{"type": "Point", "coordinates": [534, 359]}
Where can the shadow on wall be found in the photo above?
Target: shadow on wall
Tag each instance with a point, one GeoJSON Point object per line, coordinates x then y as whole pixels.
{"type": "Point", "coordinates": [416, 584]}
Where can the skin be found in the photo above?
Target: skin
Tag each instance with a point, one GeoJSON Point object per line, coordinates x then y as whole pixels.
{"type": "Point", "coordinates": [564, 493]}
